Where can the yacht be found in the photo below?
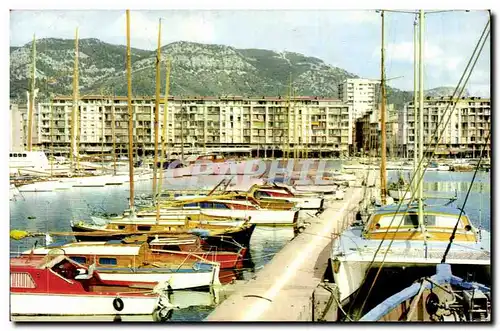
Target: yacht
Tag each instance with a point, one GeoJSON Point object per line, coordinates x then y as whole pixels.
{"type": "Point", "coordinates": [402, 243]}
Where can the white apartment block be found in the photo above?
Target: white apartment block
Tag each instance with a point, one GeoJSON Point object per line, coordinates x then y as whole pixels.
{"type": "Point", "coordinates": [465, 133]}
{"type": "Point", "coordinates": [270, 122]}
{"type": "Point", "coordinates": [360, 93]}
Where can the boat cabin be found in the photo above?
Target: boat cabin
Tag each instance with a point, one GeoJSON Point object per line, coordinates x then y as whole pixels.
{"type": "Point", "coordinates": [439, 222]}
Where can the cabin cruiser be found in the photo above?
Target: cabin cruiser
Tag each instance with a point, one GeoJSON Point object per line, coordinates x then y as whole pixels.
{"type": "Point", "coordinates": [402, 243]}
{"type": "Point", "coordinates": [116, 261]}
{"type": "Point", "coordinates": [59, 286]}
{"type": "Point", "coordinates": [442, 297]}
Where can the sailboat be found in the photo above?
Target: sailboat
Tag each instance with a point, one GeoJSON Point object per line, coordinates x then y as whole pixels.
{"type": "Point", "coordinates": [59, 286]}
{"type": "Point", "coordinates": [408, 237]}
{"type": "Point", "coordinates": [442, 297]}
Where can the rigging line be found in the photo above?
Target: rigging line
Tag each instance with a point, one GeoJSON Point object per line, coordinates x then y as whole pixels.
{"type": "Point", "coordinates": [452, 237]}
{"type": "Point", "coordinates": [423, 173]}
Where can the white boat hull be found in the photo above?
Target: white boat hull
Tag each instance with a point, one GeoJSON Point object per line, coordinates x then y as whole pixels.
{"type": "Point", "coordinates": [94, 181]}
{"type": "Point", "coordinates": [13, 192]}
{"type": "Point", "coordinates": [269, 217]}
{"type": "Point", "coordinates": [71, 304]}
{"type": "Point", "coordinates": [48, 186]}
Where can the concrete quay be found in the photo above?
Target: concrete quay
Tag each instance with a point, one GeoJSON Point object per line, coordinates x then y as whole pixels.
{"type": "Point", "coordinates": [284, 289]}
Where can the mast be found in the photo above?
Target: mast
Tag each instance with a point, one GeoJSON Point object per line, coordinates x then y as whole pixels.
{"type": "Point", "coordinates": [157, 112]}
{"type": "Point", "coordinates": [164, 135]}
{"type": "Point", "coordinates": [383, 179]}
{"type": "Point", "coordinates": [421, 119]}
{"type": "Point", "coordinates": [74, 116]}
{"type": "Point", "coordinates": [32, 97]}
{"type": "Point", "coordinates": [130, 118]}
{"type": "Point", "coordinates": [415, 88]}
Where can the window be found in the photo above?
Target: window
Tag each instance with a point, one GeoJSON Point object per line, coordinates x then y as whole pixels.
{"type": "Point", "coordinates": [143, 228]}
{"type": "Point", "coordinates": [107, 261]}
{"type": "Point", "coordinates": [194, 204]}
{"type": "Point", "coordinates": [21, 280]}
{"type": "Point", "coordinates": [79, 259]}
{"type": "Point", "coordinates": [220, 206]}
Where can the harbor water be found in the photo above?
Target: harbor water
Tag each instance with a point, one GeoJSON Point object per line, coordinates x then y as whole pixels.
{"type": "Point", "coordinates": [53, 211]}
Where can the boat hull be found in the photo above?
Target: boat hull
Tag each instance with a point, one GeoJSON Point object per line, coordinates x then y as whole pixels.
{"type": "Point", "coordinates": [179, 280]}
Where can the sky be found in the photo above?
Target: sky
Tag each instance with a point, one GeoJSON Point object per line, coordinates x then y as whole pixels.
{"type": "Point", "coordinates": [347, 39]}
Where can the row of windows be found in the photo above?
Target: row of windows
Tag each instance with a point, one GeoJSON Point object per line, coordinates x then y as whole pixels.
{"type": "Point", "coordinates": [17, 155]}
{"type": "Point", "coordinates": [102, 260]}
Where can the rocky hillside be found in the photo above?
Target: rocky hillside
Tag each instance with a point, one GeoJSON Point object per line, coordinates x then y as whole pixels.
{"type": "Point", "coordinates": [197, 69]}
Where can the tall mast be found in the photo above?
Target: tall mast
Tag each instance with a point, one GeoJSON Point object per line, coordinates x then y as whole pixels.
{"type": "Point", "coordinates": [130, 118]}
{"type": "Point", "coordinates": [421, 118]}
{"type": "Point", "coordinates": [74, 115]}
{"type": "Point", "coordinates": [32, 97]}
{"type": "Point", "coordinates": [157, 112]}
{"type": "Point", "coordinates": [383, 179]}
{"type": "Point", "coordinates": [113, 134]}
{"type": "Point", "coordinates": [415, 88]}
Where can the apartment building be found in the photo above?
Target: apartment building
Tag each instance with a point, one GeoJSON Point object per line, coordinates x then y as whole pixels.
{"type": "Point", "coordinates": [360, 93]}
{"type": "Point", "coordinates": [464, 134]}
{"type": "Point", "coordinates": [318, 124]}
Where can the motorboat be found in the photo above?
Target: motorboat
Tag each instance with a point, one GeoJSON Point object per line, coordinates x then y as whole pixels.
{"type": "Point", "coordinates": [442, 297]}
{"type": "Point", "coordinates": [59, 286]}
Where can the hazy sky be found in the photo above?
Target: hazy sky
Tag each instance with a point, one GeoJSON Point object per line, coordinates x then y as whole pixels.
{"type": "Point", "coordinates": [347, 39]}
